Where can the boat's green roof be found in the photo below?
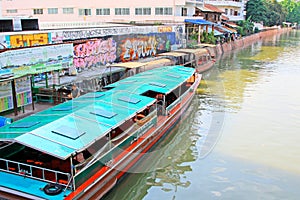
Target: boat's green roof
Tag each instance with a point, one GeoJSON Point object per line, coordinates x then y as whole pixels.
{"type": "Point", "coordinates": [72, 126]}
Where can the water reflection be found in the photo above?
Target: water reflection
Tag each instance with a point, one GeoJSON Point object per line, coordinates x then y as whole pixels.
{"type": "Point", "coordinates": [248, 112]}
{"type": "Point", "coordinates": [165, 171]}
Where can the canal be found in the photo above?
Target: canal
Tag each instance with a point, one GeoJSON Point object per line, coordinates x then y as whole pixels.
{"type": "Point", "coordinates": [240, 138]}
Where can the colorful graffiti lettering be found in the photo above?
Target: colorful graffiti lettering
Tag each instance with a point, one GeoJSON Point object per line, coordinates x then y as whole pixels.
{"type": "Point", "coordinates": [133, 49]}
{"type": "Point", "coordinates": [164, 29]}
{"type": "Point", "coordinates": [28, 40]}
{"type": "Point", "coordinates": [95, 52]}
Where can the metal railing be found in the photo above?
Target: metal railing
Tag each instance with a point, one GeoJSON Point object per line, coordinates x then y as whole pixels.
{"type": "Point", "coordinates": [35, 172]}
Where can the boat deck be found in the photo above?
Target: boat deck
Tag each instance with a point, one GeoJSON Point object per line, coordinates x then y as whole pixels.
{"type": "Point", "coordinates": [27, 186]}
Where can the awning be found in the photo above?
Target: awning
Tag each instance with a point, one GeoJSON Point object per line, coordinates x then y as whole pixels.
{"type": "Point", "coordinates": [216, 33]}
{"type": "Point", "coordinates": [225, 29]}
{"type": "Point", "coordinates": [231, 29]}
{"type": "Point", "coordinates": [198, 21]}
{"type": "Point", "coordinates": [231, 24]}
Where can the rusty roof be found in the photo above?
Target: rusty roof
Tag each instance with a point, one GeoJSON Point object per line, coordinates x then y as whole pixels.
{"type": "Point", "coordinates": [210, 8]}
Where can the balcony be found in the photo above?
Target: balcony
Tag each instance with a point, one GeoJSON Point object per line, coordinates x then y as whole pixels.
{"type": "Point", "coordinates": [236, 18]}
{"type": "Point", "coordinates": [225, 3]}
{"type": "Point", "coordinates": [185, 2]}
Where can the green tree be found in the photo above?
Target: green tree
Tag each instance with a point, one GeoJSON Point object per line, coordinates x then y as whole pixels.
{"type": "Point", "coordinates": [270, 12]}
{"type": "Point", "coordinates": [275, 14]}
{"type": "Point", "coordinates": [293, 10]}
{"type": "Point", "coordinates": [245, 27]}
{"type": "Point", "coordinates": [256, 10]}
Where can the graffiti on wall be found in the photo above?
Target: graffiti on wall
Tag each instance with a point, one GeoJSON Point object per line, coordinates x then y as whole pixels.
{"type": "Point", "coordinates": [142, 46]}
{"type": "Point", "coordinates": [94, 53]}
{"type": "Point", "coordinates": [28, 40]}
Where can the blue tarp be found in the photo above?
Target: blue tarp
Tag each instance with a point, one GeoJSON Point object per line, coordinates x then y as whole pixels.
{"type": "Point", "coordinates": [198, 21]}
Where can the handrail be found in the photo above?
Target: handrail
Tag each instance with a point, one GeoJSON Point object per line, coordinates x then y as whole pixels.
{"type": "Point", "coordinates": [128, 132]}
{"type": "Point", "coordinates": [27, 170]}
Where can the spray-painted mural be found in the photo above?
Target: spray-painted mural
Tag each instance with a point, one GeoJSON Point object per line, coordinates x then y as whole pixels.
{"type": "Point", "coordinates": [26, 40]}
{"type": "Point", "coordinates": [94, 53]}
{"type": "Point", "coordinates": [140, 46]}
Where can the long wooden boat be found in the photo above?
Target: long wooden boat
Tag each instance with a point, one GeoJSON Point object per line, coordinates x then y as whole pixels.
{"type": "Point", "coordinates": [198, 58]}
{"type": "Point", "coordinates": [81, 148]}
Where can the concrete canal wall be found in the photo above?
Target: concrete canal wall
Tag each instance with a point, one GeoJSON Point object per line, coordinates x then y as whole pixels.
{"type": "Point", "coordinates": [245, 41]}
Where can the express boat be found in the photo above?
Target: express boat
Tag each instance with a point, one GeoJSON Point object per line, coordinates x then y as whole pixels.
{"type": "Point", "coordinates": [81, 148]}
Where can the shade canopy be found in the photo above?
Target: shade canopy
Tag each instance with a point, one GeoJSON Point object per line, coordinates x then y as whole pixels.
{"type": "Point", "coordinates": [198, 21]}
{"type": "Point", "coordinates": [73, 126]}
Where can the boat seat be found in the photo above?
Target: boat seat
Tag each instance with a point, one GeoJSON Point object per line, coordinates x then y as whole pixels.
{"type": "Point", "coordinates": [62, 181]}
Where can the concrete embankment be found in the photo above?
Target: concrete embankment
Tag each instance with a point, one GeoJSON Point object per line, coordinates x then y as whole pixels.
{"type": "Point", "coordinates": [244, 42]}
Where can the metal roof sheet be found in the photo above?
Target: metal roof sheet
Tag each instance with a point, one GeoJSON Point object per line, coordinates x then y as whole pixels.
{"type": "Point", "coordinates": [50, 138]}
{"type": "Point", "coordinates": [210, 8]}
{"type": "Point", "coordinates": [175, 54]}
{"type": "Point", "coordinates": [129, 65]}
{"type": "Point", "coordinates": [198, 51]}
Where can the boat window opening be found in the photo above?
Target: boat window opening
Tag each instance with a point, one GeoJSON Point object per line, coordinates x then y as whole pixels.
{"type": "Point", "coordinates": [82, 156]}
{"type": "Point", "coordinates": [24, 124]}
{"type": "Point", "coordinates": [68, 132]}
{"type": "Point", "coordinates": [170, 98]}
{"type": "Point", "coordinates": [63, 108]}
{"type": "Point", "coordinates": [191, 80]}
{"type": "Point", "coordinates": [31, 162]}
{"type": "Point", "coordinates": [129, 99]}
{"type": "Point", "coordinates": [150, 93]}
{"type": "Point", "coordinates": [103, 113]}
{"type": "Point", "coordinates": [184, 87]}
{"type": "Point", "coordinates": [158, 84]}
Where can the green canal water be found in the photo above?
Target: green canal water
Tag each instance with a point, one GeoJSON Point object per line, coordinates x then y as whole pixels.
{"type": "Point", "coordinates": [240, 138]}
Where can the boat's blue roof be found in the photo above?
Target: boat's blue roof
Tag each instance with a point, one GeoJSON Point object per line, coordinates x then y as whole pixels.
{"type": "Point", "coordinates": [72, 126]}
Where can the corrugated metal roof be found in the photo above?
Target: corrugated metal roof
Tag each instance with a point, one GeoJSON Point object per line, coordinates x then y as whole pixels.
{"type": "Point", "coordinates": [211, 8]}
{"type": "Point", "coordinates": [129, 65]}
{"type": "Point", "coordinates": [175, 54]}
{"type": "Point", "coordinates": [198, 51]}
{"type": "Point", "coordinates": [62, 133]}
{"type": "Point", "coordinates": [198, 21]}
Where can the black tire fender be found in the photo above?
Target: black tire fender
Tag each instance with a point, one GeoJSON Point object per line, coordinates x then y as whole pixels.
{"type": "Point", "coordinates": [52, 189]}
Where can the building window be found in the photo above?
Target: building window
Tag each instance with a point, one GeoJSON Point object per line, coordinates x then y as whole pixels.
{"type": "Point", "coordinates": [184, 12]}
{"type": "Point", "coordinates": [122, 11]}
{"type": "Point", "coordinates": [231, 12]}
{"type": "Point", "coordinates": [52, 10]}
{"type": "Point", "coordinates": [12, 11]}
{"type": "Point", "coordinates": [38, 11]}
{"type": "Point", "coordinates": [163, 11]}
{"type": "Point", "coordinates": [143, 11]}
{"type": "Point", "coordinates": [85, 12]}
{"type": "Point", "coordinates": [103, 11]}
{"type": "Point", "coordinates": [68, 10]}
{"type": "Point", "coordinates": [226, 11]}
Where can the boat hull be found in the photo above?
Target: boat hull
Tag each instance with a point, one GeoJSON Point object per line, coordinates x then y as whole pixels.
{"type": "Point", "coordinates": [103, 181]}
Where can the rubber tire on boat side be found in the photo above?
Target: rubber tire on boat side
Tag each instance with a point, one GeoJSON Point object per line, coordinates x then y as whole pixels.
{"type": "Point", "coordinates": [52, 189]}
